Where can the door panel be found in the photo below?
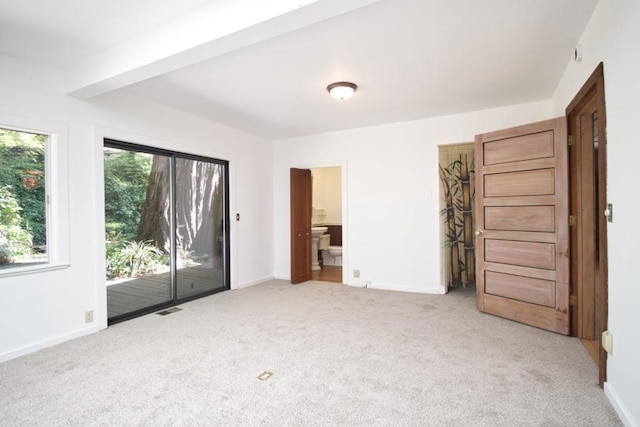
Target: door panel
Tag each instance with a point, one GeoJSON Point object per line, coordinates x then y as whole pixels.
{"type": "Point", "coordinates": [528, 289]}
{"type": "Point", "coordinates": [300, 225]}
{"type": "Point", "coordinates": [522, 217]}
{"type": "Point", "coordinates": [200, 234]}
{"type": "Point", "coordinates": [536, 218]}
{"type": "Point", "coordinates": [526, 147]}
{"type": "Point", "coordinates": [525, 183]}
{"type": "Point", "coordinates": [526, 254]}
{"type": "Point", "coordinates": [136, 289]}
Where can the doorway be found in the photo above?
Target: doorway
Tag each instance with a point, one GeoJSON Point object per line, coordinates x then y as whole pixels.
{"type": "Point", "coordinates": [319, 200]}
{"type": "Point", "coordinates": [456, 167]}
{"type": "Point", "coordinates": [166, 219]}
{"type": "Point", "coordinates": [326, 184]}
{"type": "Point", "coordinates": [586, 118]}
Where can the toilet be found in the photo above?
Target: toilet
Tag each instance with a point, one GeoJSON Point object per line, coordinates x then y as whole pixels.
{"type": "Point", "coordinates": [332, 255]}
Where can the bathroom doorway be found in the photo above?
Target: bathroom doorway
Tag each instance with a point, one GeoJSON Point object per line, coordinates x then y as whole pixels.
{"type": "Point", "coordinates": [326, 193]}
{"type": "Point", "coordinates": [329, 212]}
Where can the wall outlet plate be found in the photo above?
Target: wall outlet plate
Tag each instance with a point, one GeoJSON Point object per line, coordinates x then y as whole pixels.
{"type": "Point", "coordinates": [88, 316]}
{"type": "Point", "coordinates": [607, 342]}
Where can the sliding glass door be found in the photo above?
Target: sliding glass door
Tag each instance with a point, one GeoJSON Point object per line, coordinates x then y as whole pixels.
{"type": "Point", "coordinates": [200, 220]}
{"type": "Point", "coordinates": [166, 215]}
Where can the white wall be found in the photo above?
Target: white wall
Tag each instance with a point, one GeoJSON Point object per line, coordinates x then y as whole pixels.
{"type": "Point", "coordinates": [37, 310]}
{"type": "Point", "coordinates": [327, 193]}
{"type": "Point", "coordinates": [613, 37]}
{"type": "Point", "coordinates": [392, 233]}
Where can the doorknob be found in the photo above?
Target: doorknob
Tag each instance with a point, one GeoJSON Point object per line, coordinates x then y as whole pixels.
{"type": "Point", "coordinates": [479, 232]}
{"type": "Point", "coordinates": [299, 235]}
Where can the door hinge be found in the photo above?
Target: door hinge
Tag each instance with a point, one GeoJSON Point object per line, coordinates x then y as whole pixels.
{"type": "Point", "coordinates": [570, 140]}
{"type": "Point", "coordinates": [572, 220]}
{"type": "Point", "coordinates": [572, 300]}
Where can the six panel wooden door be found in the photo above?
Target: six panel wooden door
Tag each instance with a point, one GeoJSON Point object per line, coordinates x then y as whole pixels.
{"type": "Point", "coordinates": [522, 218]}
{"type": "Point", "coordinates": [300, 225]}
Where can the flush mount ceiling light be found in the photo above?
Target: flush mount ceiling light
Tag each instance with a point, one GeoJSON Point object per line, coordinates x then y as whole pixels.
{"type": "Point", "coordinates": [342, 90]}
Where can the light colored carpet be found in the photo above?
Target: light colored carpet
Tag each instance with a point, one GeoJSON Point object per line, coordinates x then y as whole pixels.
{"type": "Point", "coordinates": [339, 356]}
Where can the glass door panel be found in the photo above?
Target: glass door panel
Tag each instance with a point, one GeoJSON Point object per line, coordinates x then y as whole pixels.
{"type": "Point", "coordinates": [200, 237]}
{"type": "Point", "coordinates": [138, 224]}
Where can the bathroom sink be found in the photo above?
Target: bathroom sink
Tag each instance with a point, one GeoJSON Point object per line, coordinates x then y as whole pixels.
{"type": "Point", "coordinates": [318, 231]}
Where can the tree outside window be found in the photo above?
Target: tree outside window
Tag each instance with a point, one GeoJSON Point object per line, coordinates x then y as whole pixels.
{"type": "Point", "coordinates": [23, 223]}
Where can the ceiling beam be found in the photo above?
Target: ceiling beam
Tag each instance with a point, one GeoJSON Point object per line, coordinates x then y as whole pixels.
{"type": "Point", "coordinates": [207, 32]}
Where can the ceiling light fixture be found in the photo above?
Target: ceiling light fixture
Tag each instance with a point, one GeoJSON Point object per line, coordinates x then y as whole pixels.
{"type": "Point", "coordinates": [342, 90]}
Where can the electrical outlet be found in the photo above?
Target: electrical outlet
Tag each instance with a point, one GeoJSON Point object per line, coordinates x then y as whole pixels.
{"type": "Point", "coordinates": [356, 273]}
{"type": "Point", "coordinates": [607, 342]}
{"type": "Point", "coordinates": [88, 316]}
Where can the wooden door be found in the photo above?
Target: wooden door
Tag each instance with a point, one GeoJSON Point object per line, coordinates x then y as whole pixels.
{"type": "Point", "coordinates": [586, 116]}
{"type": "Point", "coordinates": [583, 209]}
{"type": "Point", "coordinates": [522, 243]}
{"type": "Point", "coordinates": [300, 225]}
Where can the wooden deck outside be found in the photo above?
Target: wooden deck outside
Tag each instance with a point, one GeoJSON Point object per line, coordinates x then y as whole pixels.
{"type": "Point", "coordinates": [153, 289]}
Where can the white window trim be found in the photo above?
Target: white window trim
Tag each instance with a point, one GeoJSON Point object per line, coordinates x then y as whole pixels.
{"type": "Point", "coordinates": [56, 194]}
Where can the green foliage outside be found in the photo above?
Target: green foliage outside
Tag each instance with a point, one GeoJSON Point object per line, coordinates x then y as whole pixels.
{"type": "Point", "coordinates": [126, 176]}
{"type": "Point", "coordinates": [15, 241]}
{"type": "Point", "coordinates": [22, 194]}
{"type": "Point", "coordinates": [23, 211]}
{"type": "Point", "coordinates": [131, 258]}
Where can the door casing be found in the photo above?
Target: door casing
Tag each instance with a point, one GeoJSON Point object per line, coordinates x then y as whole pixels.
{"type": "Point", "coordinates": [589, 261]}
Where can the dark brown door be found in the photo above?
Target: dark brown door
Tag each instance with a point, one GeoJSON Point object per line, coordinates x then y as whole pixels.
{"type": "Point", "coordinates": [586, 116]}
{"type": "Point", "coordinates": [300, 225]}
{"type": "Point", "coordinates": [523, 231]}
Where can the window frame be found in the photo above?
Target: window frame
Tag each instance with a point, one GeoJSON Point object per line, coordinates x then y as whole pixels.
{"type": "Point", "coordinates": [56, 178]}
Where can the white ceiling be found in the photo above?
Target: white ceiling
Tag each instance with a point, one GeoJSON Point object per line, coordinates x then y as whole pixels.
{"type": "Point", "coordinates": [264, 68]}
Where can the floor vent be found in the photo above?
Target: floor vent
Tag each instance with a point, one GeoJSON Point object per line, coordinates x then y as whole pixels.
{"type": "Point", "coordinates": [169, 311]}
{"type": "Point", "coordinates": [265, 376]}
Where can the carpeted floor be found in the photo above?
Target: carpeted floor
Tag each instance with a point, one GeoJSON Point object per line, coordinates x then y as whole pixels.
{"type": "Point", "coordinates": [339, 356]}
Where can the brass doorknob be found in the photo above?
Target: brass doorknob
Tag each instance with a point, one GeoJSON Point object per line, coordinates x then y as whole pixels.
{"type": "Point", "coordinates": [479, 232]}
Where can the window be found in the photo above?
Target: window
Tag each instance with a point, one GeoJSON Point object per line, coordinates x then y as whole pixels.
{"type": "Point", "coordinates": [30, 215]}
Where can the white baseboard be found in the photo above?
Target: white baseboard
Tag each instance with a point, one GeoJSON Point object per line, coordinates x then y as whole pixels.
{"type": "Point", "coordinates": [254, 282]}
{"type": "Point", "coordinates": [622, 411]}
{"type": "Point", "coordinates": [282, 277]}
{"type": "Point", "coordinates": [12, 354]}
{"type": "Point", "coordinates": [392, 287]}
